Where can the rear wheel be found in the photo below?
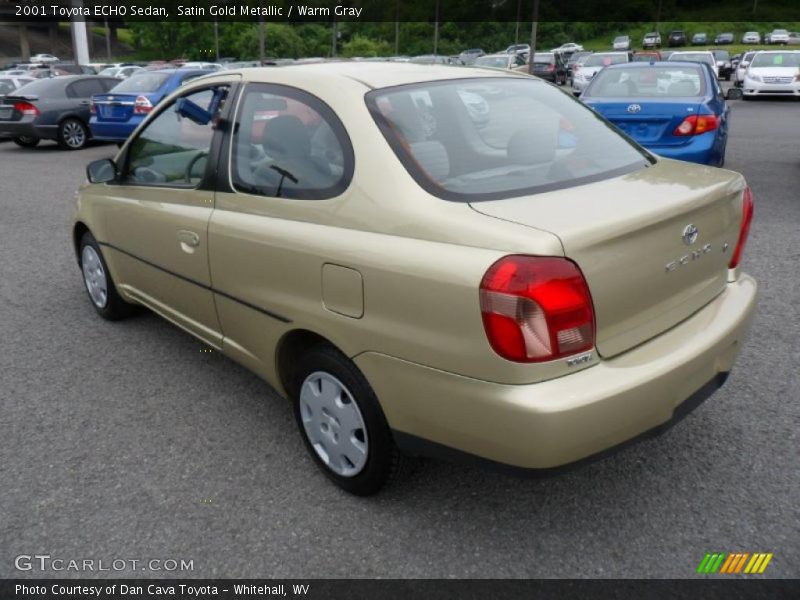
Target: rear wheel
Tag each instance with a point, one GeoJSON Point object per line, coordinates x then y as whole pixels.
{"type": "Point", "coordinates": [342, 423]}
{"type": "Point", "coordinates": [72, 134]}
{"type": "Point", "coordinates": [27, 141]}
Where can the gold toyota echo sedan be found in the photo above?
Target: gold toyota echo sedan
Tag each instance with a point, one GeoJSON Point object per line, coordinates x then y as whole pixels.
{"type": "Point", "coordinates": [427, 260]}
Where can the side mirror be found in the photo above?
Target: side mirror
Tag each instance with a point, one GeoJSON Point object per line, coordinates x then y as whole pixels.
{"type": "Point", "coordinates": [734, 94]}
{"type": "Point", "coordinates": [101, 171]}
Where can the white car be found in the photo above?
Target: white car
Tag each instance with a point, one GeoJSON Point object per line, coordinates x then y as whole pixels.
{"type": "Point", "coordinates": [779, 36]}
{"type": "Point", "coordinates": [741, 68]}
{"type": "Point", "coordinates": [593, 64]}
{"type": "Point", "coordinates": [699, 56]}
{"type": "Point", "coordinates": [518, 48]}
{"type": "Point", "coordinates": [568, 48]}
{"type": "Point", "coordinates": [202, 65]}
{"type": "Point", "coordinates": [751, 37]}
{"type": "Point", "coordinates": [651, 40]}
{"type": "Point", "coordinates": [501, 61]}
{"type": "Point", "coordinates": [44, 58]}
{"type": "Point", "coordinates": [120, 72]}
{"type": "Point", "coordinates": [622, 42]}
{"type": "Point", "coordinates": [773, 73]}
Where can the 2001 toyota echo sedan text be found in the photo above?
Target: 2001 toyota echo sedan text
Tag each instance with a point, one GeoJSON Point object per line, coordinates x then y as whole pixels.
{"type": "Point", "coordinates": [528, 288]}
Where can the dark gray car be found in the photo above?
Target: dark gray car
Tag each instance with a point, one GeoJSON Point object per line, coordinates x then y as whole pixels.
{"type": "Point", "coordinates": [53, 109]}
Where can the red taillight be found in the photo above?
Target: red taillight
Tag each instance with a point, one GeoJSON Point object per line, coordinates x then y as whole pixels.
{"type": "Point", "coordinates": [93, 108]}
{"type": "Point", "coordinates": [744, 227]}
{"type": "Point", "coordinates": [551, 67]}
{"type": "Point", "coordinates": [536, 308]}
{"type": "Point", "coordinates": [142, 106]}
{"type": "Point", "coordinates": [696, 124]}
{"type": "Point", "coordinates": [26, 108]}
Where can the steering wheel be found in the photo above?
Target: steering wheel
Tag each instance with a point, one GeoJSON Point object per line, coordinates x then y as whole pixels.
{"type": "Point", "coordinates": [190, 166]}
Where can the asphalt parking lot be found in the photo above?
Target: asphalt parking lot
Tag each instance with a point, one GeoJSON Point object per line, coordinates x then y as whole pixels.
{"type": "Point", "coordinates": [127, 441]}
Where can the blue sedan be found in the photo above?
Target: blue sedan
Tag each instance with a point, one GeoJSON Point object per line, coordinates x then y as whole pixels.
{"type": "Point", "coordinates": [116, 114]}
{"type": "Point", "coordinates": [674, 109]}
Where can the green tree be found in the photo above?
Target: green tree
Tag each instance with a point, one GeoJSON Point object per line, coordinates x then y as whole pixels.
{"type": "Point", "coordinates": [359, 45]}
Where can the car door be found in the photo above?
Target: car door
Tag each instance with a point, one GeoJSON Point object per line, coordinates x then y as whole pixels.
{"type": "Point", "coordinates": [157, 220]}
{"type": "Point", "coordinates": [289, 153]}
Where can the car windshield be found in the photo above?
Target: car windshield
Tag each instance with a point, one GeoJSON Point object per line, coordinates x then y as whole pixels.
{"type": "Point", "coordinates": [644, 57]}
{"type": "Point", "coordinates": [110, 72]}
{"type": "Point", "coordinates": [603, 60]}
{"type": "Point", "coordinates": [722, 54]}
{"type": "Point", "coordinates": [698, 57]}
{"type": "Point", "coordinates": [142, 82]}
{"type": "Point", "coordinates": [776, 59]}
{"type": "Point", "coordinates": [622, 38]}
{"type": "Point", "coordinates": [652, 82]}
{"type": "Point", "coordinates": [780, 32]}
{"type": "Point", "coordinates": [505, 137]}
{"type": "Point", "coordinates": [747, 57]}
{"type": "Point", "coordinates": [492, 61]}
{"type": "Point", "coordinates": [650, 34]}
{"type": "Point", "coordinates": [543, 58]}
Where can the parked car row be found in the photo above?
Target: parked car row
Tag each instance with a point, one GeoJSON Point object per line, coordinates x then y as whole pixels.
{"type": "Point", "coordinates": [678, 38]}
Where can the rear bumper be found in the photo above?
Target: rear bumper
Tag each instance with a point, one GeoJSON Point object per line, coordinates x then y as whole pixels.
{"type": "Point", "coordinates": [700, 149]}
{"type": "Point", "coordinates": [28, 128]}
{"type": "Point", "coordinates": [560, 421]}
{"type": "Point", "coordinates": [755, 88]}
{"type": "Point", "coordinates": [113, 132]}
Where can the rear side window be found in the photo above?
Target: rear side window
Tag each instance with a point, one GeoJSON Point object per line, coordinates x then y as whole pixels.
{"type": "Point", "coordinates": [289, 144]}
{"type": "Point", "coordinates": [6, 86]}
{"type": "Point", "coordinates": [85, 88]}
{"type": "Point", "coordinates": [491, 138]}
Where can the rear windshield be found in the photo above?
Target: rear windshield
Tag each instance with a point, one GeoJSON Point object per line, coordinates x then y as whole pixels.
{"type": "Point", "coordinates": [544, 58]}
{"type": "Point", "coordinates": [142, 82]}
{"type": "Point", "coordinates": [776, 59]}
{"type": "Point", "coordinates": [45, 87]}
{"type": "Point", "coordinates": [622, 38]}
{"type": "Point", "coordinates": [655, 82]}
{"type": "Point", "coordinates": [603, 60]}
{"type": "Point", "coordinates": [722, 54]}
{"type": "Point", "coordinates": [491, 138]}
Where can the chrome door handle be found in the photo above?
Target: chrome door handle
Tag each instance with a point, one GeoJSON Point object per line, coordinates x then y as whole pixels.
{"type": "Point", "coordinates": [190, 238]}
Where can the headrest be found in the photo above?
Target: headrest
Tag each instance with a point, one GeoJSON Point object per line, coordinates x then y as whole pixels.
{"type": "Point", "coordinates": [286, 137]}
{"type": "Point", "coordinates": [433, 158]}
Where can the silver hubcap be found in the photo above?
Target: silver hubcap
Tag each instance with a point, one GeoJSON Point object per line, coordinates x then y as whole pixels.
{"type": "Point", "coordinates": [94, 276]}
{"type": "Point", "coordinates": [333, 424]}
{"type": "Point", "coordinates": [74, 135]}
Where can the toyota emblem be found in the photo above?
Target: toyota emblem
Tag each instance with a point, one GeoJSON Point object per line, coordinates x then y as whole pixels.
{"type": "Point", "coordinates": [689, 234]}
{"type": "Point", "coordinates": [634, 108]}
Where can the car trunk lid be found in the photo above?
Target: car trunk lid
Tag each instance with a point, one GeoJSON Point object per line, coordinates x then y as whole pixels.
{"type": "Point", "coordinates": [649, 122]}
{"type": "Point", "coordinates": [627, 236]}
{"type": "Point", "coordinates": [114, 107]}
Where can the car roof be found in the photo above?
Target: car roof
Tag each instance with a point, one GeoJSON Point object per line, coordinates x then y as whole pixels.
{"type": "Point", "coordinates": [372, 74]}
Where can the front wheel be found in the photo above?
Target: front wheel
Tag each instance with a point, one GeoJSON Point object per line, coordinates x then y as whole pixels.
{"type": "Point", "coordinates": [342, 423]}
{"type": "Point", "coordinates": [99, 284]}
{"type": "Point", "coordinates": [72, 134]}
{"type": "Point", "coordinates": [27, 141]}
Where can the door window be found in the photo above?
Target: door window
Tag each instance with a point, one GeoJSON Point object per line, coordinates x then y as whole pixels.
{"type": "Point", "coordinates": [173, 149]}
{"type": "Point", "coordinates": [289, 144]}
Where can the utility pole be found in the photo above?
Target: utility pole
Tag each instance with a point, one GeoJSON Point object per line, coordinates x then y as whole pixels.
{"type": "Point", "coordinates": [397, 28]}
{"type": "Point", "coordinates": [534, 24]}
{"type": "Point", "coordinates": [436, 30]}
{"type": "Point", "coordinates": [80, 43]}
{"type": "Point", "coordinates": [261, 35]}
{"type": "Point", "coordinates": [334, 36]}
{"type": "Point", "coordinates": [516, 30]}
{"type": "Point", "coordinates": [216, 38]}
{"type": "Point", "coordinates": [108, 39]}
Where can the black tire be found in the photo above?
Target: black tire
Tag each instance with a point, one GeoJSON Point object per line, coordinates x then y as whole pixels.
{"type": "Point", "coordinates": [384, 462]}
{"type": "Point", "coordinates": [27, 141]}
{"type": "Point", "coordinates": [72, 134]}
{"type": "Point", "coordinates": [114, 308]}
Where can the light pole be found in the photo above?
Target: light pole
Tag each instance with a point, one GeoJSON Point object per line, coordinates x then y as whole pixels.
{"type": "Point", "coordinates": [534, 23]}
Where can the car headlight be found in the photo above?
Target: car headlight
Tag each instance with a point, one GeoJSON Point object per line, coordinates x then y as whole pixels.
{"type": "Point", "coordinates": [753, 77]}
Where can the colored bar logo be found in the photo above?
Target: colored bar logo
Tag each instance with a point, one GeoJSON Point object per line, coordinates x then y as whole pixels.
{"type": "Point", "coordinates": [734, 563]}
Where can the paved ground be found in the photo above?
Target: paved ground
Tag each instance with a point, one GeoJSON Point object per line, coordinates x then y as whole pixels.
{"type": "Point", "coordinates": [124, 441]}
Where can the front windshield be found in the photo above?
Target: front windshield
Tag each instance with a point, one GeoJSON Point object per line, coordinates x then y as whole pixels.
{"type": "Point", "coordinates": [490, 138]}
{"type": "Point", "coordinates": [603, 60]}
{"type": "Point", "coordinates": [110, 72]}
{"type": "Point", "coordinates": [776, 59]}
{"type": "Point", "coordinates": [651, 82]}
